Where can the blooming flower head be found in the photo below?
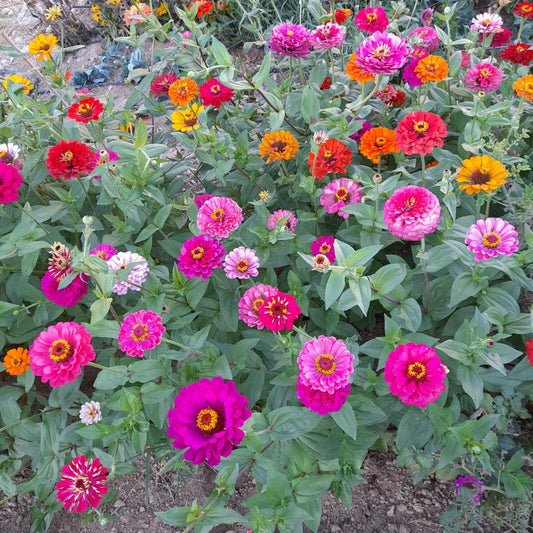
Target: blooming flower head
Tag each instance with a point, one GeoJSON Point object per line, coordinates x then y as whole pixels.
{"type": "Point", "coordinates": [161, 84]}
{"type": "Point", "coordinates": [431, 68]}
{"type": "Point", "coordinates": [524, 87]}
{"type": "Point", "coordinates": [499, 38]}
{"type": "Point", "coordinates": [279, 312]}
{"type": "Point", "coordinates": [206, 419]}
{"type": "Point", "coordinates": [140, 331]}
{"type": "Point", "coordinates": [204, 7]}
{"type": "Point", "coordinates": [42, 45]}
{"type": "Point", "coordinates": [425, 37]}
{"type": "Point", "coordinates": [377, 142]}
{"type": "Point", "coordinates": [528, 347]}
{"type": "Point", "coordinates": [371, 19]}
{"type": "Point", "coordinates": [382, 53]}
{"type": "Point", "coordinates": [286, 218]}
{"type": "Point", "coordinates": [391, 96]}
{"type": "Point", "coordinates": [327, 36]}
{"type": "Point", "coordinates": [412, 212]}
{"type": "Point", "coordinates": [333, 156]}
{"type": "Point", "coordinates": [486, 23]}
{"type": "Point", "coordinates": [320, 137]}
{"type": "Point", "coordinates": [341, 15]}
{"type": "Point", "coordinates": [325, 364]}
{"type": "Point", "coordinates": [69, 159]}
{"type": "Point", "coordinates": [409, 74]}
{"type": "Point", "coordinates": [182, 91]}
{"type": "Point", "coordinates": [278, 146]}
{"type": "Point", "coordinates": [290, 39]}
{"type": "Point", "coordinates": [27, 85]}
{"type": "Point", "coordinates": [16, 361]}
{"type": "Point", "coordinates": [483, 77]}
{"type": "Point", "coordinates": [60, 260]}
{"type": "Point", "coordinates": [481, 173]}
{"type": "Point", "coordinates": [420, 132]}
{"type": "Point", "coordinates": [67, 296]}
{"type": "Point", "coordinates": [338, 194]}
{"type": "Point", "coordinates": [186, 119]}
{"type": "Point", "coordinates": [90, 413]}
{"type": "Point", "coordinates": [470, 484]}
{"type": "Point", "coordinates": [214, 93]}
{"type": "Point", "coordinates": [427, 16]}
{"type": "Point", "coordinates": [201, 199]}
{"type": "Point", "coordinates": [10, 182]}
{"type": "Point", "coordinates": [364, 126]}
{"type": "Point", "coordinates": [518, 54]}
{"type": "Point", "coordinates": [324, 245]}
{"type": "Point", "coordinates": [491, 237]}
{"type": "Point", "coordinates": [415, 373]}
{"type": "Point", "coordinates": [326, 84]}
{"type": "Point", "coordinates": [53, 12]}
{"type": "Point", "coordinates": [58, 353]}
{"type": "Point", "coordinates": [354, 71]}
{"type": "Point", "coordinates": [219, 216]}
{"type": "Point", "coordinates": [199, 256]}
{"type": "Point", "coordinates": [319, 401]}
{"type": "Point", "coordinates": [137, 13]}
{"type": "Point", "coordinates": [81, 484]}
{"type": "Point", "coordinates": [253, 299]}
{"type": "Point", "coordinates": [85, 110]}
{"type": "Point", "coordinates": [321, 263]}
{"type": "Point", "coordinates": [9, 153]}
{"type": "Point", "coordinates": [136, 276]}
{"type": "Point", "coordinates": [104, 251]}
{"type": "Point", "coordinates": [524, 9]}
{"type": "Point", "coordinates": [241, 263]}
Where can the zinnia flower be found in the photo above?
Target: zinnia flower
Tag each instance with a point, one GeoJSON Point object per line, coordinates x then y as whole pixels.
{"type": "Point", "coordinates": [420, 132]}
{"type": "Point", "coordinates": [253, 299]}
{"type": "Point", "coordinates": [372, 19]}
{"type": "Point", "coordinates": [42, 45]}
{"type": "Point", "coordinates": [415, 373]}
{"type": "Point", "coordinates": [333, 156]}
{"type": "Point", "coordinates": [85, 110]}
{"type": "Point", "coordinates": [377, 142]}
{"type": "Point", "coordinates": [9, 153]}
{"type": "Point", "coordinates": [277, 217]}
{"type": "Point", "coordinates": [199, 256]}
{"type": "Point", "coordinates": [425, 37]}
{"type": "Point", "coordinates": [341, 15]}
{"type": "Point", "coordinates": [327, 36]}
{"type": "Point", "coordinates": [90, 413]}
{"type": "Point", "coordinates": [382, 53]}
{"type": "Point", "coordinates": [214, 93]}
{"type": "Point", "coordinates": [431, 68]}
{"type": "Point", "coordinates": [278, 146]}
{"type": "Point", "coordinates": [472, 484]}
{"type": "Point", "coordinates": [103, 157]}
{"type": "Point", "coordinates": [338, 194]}
{"type": "Point", "coordinates": [10, 182]}
{"type": "Point", "coordinates": [290, 39]}
{"type": "Point", "coordinates": [206, 419]}
{"type": "Point", "coordinates": [186, 119]}
{"type": "Point", "coordinates": [136, 276]}
{"type": "Point", "coordinates": [136, 13]}
{"type": "Point", "coordinates": [27, 85]}
{"type": "Point", "coordinates": [518, 54]}
{"type": "Point", "coordinates": [58, 353]}
{"type": "Point", "coordinates": [483, 77]}
{"type": "Point", "coordinates": [524, 9]}
{"type": "Point", "coordinates": [364, 126]}
{"type": "Point", "coordinates": [499, 38]}
{"type": "Point", "coordinates": [67, 296]}
{"type": "Point", "coordinates": [69, 159]}
{"type": "Point", "coordinates": [324, 245]}
{"type": "Point", "coordinates": [529, 351]}
{"type": "Point", "coordinates": [391, 96]}
{"type": "Point", "coordinates": [140, 331]}
{"type": "Point", "coordinates": [279, 312]}
{"type": "Point", "coordinates": [409, 74]}
{"type": "Point", "coordinates": [486, 23]}
{"type": "Point", "coordinates": [161, 84]}
{"type": "Point", "coordinates": [204, 7]}
{"type": "Point", "coordinates": [524, 87]}
{"type": "Point", "coordinates": [82, 484]}
{"type": "Point", "coordinates": [16, 361]}
{"type": "Point", "coordinates": [319, 401]}
{"type": "Point", "coordinates": [201, 199]}
{"type": "Point", "coordinates": [491, 237]}
{"type": "Point", "coordinates": [427, 16]}
{"type": "Point", "coordinates": [104, 251]}
{"type": "Point", "coordinates": [182, 91]}
{"type": "Point", "coordinates": [219, 216]}
{"type": "Point", "coordinates": [412, 212]}
{"type": "Point", "coordinates": [60, 260]}
{"type": "Point", "coordinates": [241, 263]}
{"type": "Point", "coordinates": [481, 173]}
{"type": "Point", "coordinates": [353, 69]}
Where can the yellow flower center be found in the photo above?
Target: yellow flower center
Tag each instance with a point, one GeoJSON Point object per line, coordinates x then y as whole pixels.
{"type": "Point", "coordinates": [67, 156]}
{"type": "Point", "coordinates": [197, 253]}
{"type": "Point", "coordinates": [325, 364]}
{"type": "Point", "coordinates": [139, 332]}
{"type": "Point", "coordinates": [381, 51]}
{"type": "Point", "coordinates": [207, 420]}
{"type": "Point", "coordinates": [491, 240]}
{"type": "Point", "coordinates": [257, 304]}
{"type": "Point", "coordinates": [371, 17]}
{"type": "Point", "coordinates": [60, 351]}
{"type": "Point", "coordinates": [218, 215]}
{"type": "Point", "coordinates": [82, 483]}
{"type": "Point", "coordinates": [381, 141]}
{"type": "Point", "coordinates": [421, 126]}
{"type": "Point", "coordinates": [416, 370]}
{"type": "Point", "coordinates": [324, 248]}
{"type": "Point", "coordinates": [290, 33]}
{"type": "Point", "coordinates": [484, 73]}
{"type": "Point", "coordinates": [84, 109]}
{"type": "Point", "coordinates": [341, 193]}
{"type": "Point", "coordinates": [526, 8]}
{"type": "Point", "coordinates": [409, 204]}
{"type": "Point", "coordinates": [215, 89]}
{"type": "Point", "coordinates": [328, 154]}
{"type": "Point", "coordinates": [528, 87]}
{"type": "Point", "coordinates": [242, 265]}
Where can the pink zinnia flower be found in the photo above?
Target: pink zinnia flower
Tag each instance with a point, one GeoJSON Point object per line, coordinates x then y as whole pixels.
{"type": "Point", "coordinates": [140, 331]}
{"type": "Point", "coordinates": [415, 373]}
{"type": "Point", "coordinates": [465, 59]}
{"type": "Point", "coordinates": [103, 251]}
{"type": "Point", "coordinates": [277, 216]}
{"type": "Point", "coordinates": [319, 401]}
{"type": "Point", "coordinates": [290, 39]}
{"type": "Point", "coordinates": [486, 23]}
{"type": "Point", "coordinates": [427, 16]}
{"type": "Point", "coordinates": [325, 364]}
{"type": "Point", "coordinates": [82, 483]}
{"type": "Point", "coordinates": [67, 296]}
{"type": "Point", "coordinates": [279, 312]}
{"type": "Point", "coordinates": [363, 128]}
{"type": "Point", "coordinates": [136, 276]}
{"type": "Point", "coordinates": [206, 419]}
{"type": "Point", "coordinates": [58, 353]}
{"type": "Point", "coordinates": [420, 132]}
{"type": "Point", "coordinates": [252, 300]}
{"type": "Point", "coordinates": [372, 19]}
{"type": "Point", "coordinates": [328, 35]}
{"type": "Point", "coordinates": [10, 182]}
{"type": "Point", "coordinates": [490, 237]}
{"type": "Point", "coordinates": [338, 194]}
{"type": "Point", "coordinates": [241, 263]}
{"type": "Point", "coordinates": [201, 199]}
{"type": "Point", "coordinates": [425, 37]}
{"type": "Point", "coordinates": [199, 256]}
{"type": "Point", "coordinates": [382, 53]}
{"type": "Point", "coordinates": [472, 484]}
{"type": "Point", "coordinates": [219, 216]}
{"type": "Point", "coordinates": [483, 77]}
{"type": "Point", "coordinates": [324, 245]}
{"type": "Point", "coordinates": [103, 157]}
{"type": "Point", "coordinates": [214, 93]}
{"type": "Point", "coordinates": [409, 75]}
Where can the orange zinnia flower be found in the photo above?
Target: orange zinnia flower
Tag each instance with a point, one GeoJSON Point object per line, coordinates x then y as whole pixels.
{"type": "Point", "coordinates": [17, 361]}
{"type": "Point", "coordinates": [42, 45]}
{"type": "Point", "coordinates": [524, 87]}
{"type": "Point", "coordinates": [431, 68]}
{"type": "Point", "coordinates": [378, 141]}
{"type": "Point", "coordinates": [481, 173]}
{"type": "Point", "coordinates": [182, 91]}
{"type": "Point", "coordinates": [356, 74]}
{"type": "Point", "coordinates": [278, 145]}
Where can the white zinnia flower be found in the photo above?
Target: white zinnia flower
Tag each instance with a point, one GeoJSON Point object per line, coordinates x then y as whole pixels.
{"type": "Point", "coordinates": [90, 413]}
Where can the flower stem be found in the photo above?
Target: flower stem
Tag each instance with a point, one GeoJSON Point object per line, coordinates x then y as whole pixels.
{"type": "Point", "coordinates": [423, 169]}
{"type": "Point", "coordinates": [301, 332]}
{"type": "Point", "coordinates": [102, 367]}
{"type": "Point", "coordinates": [426, 275]}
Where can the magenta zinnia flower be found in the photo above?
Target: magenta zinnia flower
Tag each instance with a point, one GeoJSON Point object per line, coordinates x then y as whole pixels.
{"type": "Point", "coordinates": [67, 296]}
{"type": "Point", "coordinates": [253, 299]}
{"type": "Point", "coordinates": [412, 212]}
{"type": "Point", "coordinates": [490, 237]}
{"type": "Point", "coordinates": [425, 37]}
{"type": "Point", "coordinates": [58, 353]}
{"type": "Point", "coordinates": [137, 275]}
{"type": "Point", "coordinates": [372, 19]}
{"type": "Point", "coordinates": [289, 39]}
{"type": "Point", "coordinates": [486, 23]}
{"type": "Point", "coordinates": [206, 419]}
{"type": "Point", "coordinates": [322, 402]}
{"type": "Point", "coordinates": [415, 373]}
{"type": "Point", "coordinates": [140, 331]}
{"type": "Point", "coordinates": [81, 484]}
{"type": "Point", "coordinates": [382, 53]}
{"type": "Point", "coordinates": [363, 128]}
{"type": "Point", "coordinates": [279, 312]}
{"type": "Point", "coordinates": [10, 182]}
{"type": "Point", "coordinates": [219, 216]}
{"type": "Point", "coordinates": [161, 84]}
{"type": "Point", "coordinates": [420, 132]}
{"type": "Point", "coordinates": [214, 93]}
{"type": "Point", "coordinates": [483, 77]}
{"type": "Point", "coordinates": [409, 75]}
{"type": "Point", "coordinates": [325, 364]}
{"type": "Point", "coordinates": [199, 256]}
{"type": "Point", "coordinates": [324, 245]}
{"type": "Point", "coordinates": [103, 251]}
{"type": "Point", "coordinates": [201, 199]}
{"type": "Point", "coordinates": [470, 483]}
{"type": "Point", "coordinates": [338, 194]}
{"type": "Point", "coordinates": [241, 263]}
{"type": "Point", "coordinates": [277, 216]}
{"type": "Point", "coordinates": [328, 35]}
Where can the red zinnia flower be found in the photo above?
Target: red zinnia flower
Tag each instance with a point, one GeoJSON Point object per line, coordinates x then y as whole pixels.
{"type": "Point", "coordinates": [212, 92]}
{"type": "Point", "coordinates": [85, 110]}
{"type": "Point", "coordinates": [524, 9]}
{"type": "Point", "coordinates": [391, 96]}
{"type": "Point", "coordinates": [326, 84]}
{"type": "Point", "coordinates": [499, 37]}
{"type": "Point", "coordinates": [529, 351]}
{"type": "Point", "coordinates": [69, 159]}
{"type": "Point", "coordinates": [204, 7]}
{"type": "Point", "coordinates": [520, 53]}
{"type": "Point", "coordinates": [420, 132]}
{"type": "Point", "coordinates": [279, 312]}
{"type": "Point", "coordinates": [341, 15]}
{"type": "Point", "coordinates": [161, 84]}
{"type": "Point", "coordinates": [333, 156]}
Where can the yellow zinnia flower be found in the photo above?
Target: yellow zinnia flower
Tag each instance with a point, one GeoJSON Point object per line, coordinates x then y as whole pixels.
{"type": "Point", "coordinates": [186, 119]}
{"type": "Point", "coordinates": [278, 145]}
{"type": "Point", "coordinates": [42, 45]}
{"type": "Point", "coordinates": [27, 85]}
{"type": "Point", "coordinates": [481, 173]}
{"type": "Point", "coordinates": [53, 12]}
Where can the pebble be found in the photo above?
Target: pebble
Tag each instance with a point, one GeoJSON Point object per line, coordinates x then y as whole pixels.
{"type": "Point", "coordinates": [390, 512]}
{"type": "Point", "coordinates": [402, 508]}
{"type": "Point", "coordinates": [403, 529]}
{"type": "Point", "coordinates": [418, 508]}
{"type": "Point", "coordinates": [118, 504]}
{"type": "Point", "coordinates": [335, 528]}
{"type": "Point", "coordinates": [142, 509]}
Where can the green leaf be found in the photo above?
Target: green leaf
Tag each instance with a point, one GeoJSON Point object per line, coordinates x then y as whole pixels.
{"type": "Point", "coordinates": [109, 380]}
{"type": "Point", "coordinates": [129, 402]}
{"type": "Point", "coordinates": [310, 106]}
{"type": "Point", "coordinates": [264, 71]}
{"type": "Point", "coordinates": [104, 329]}
{"type": "Point", "coordinates": [463, 287]}
{"type": "Point", "coordinates": [309, 488]}
{"type": "Point", "coordinates": [290, 422]}
{"type": "Point", "coordinates": [389, 277]}
{"type": "Point", "coordinates": [99, 309]}
{"type": "Point", "coordinates": [414, 430]}
{"type": "Point", "coordinates": [220, 53]}
{"type": "Point", "coordinates": [177, 516]}
{"type": "Point", "coordinates": [334, 287]}
{"type": "Point", "coordinates": [408, 315]}
{"type": "Point", "coordinates": [439, 257]}
{"type": "Point", "coordinates": [471, 382]}
{"type": "Point", "coordinates": [345, 419]}
{"type": "Point", "coordinates": [361, 257]}
{"type": "Point", "coordinates": [362, 293]}
{"type": "Point", "coordinates": [455, 350]}
{"type": "Point", "coordinates": [147, 370]}
{"type": "Point", "coordinates": [141, 135]}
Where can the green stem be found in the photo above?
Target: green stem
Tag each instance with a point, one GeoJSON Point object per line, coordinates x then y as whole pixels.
{"type": "Point", "coordinates": [423, 169]}
{"type": "Point", "coordinates": [520, 29]}
{"type": "Point", "coordinates": [183, 346]}
{"type": "Point", "coordinates": [102, 367]}
{"type": "Point", "coordinates": [487, 206]}
{"type": "Point", "coordinates": [17, 422]}
{"type": "Point", "coordinates": [377, 83]}
{"type": "Point", "coordinates": [426, 275]}
{"type": "Point", "coordinates": [301, 332]}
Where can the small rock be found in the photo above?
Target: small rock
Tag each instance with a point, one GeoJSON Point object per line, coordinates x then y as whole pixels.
{"type": "Point", "coordinates": [418, 508]}
{"type": "Point", "coordinates": [142, 509]}
{"type": "Point", "coordinates": [403, 529]}
{"type": "Point", "coordinates": [390, 512]}
{"type": "Point", "coordinates": [334, 527]}
{"type": "Point", "coordinates": [402, 508]}
{"type": "Point", "coordinates": [118, 504]}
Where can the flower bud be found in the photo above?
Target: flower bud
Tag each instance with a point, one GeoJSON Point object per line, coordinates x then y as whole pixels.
{"type": "Point", "coordinates": [446, 174]}
{"type": "Point", "coordinates": [320, 263]}
{"type": "Point", "coordinates": [377, 178]}
{"type": "Point", "coordinates": [490, 343]}
{"type": "Point", "coordinates": [87, 220]}
{"type": "Point", "coordinates": [480, 95]}
{"type": "Point", "coordinates": [103, 154]}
